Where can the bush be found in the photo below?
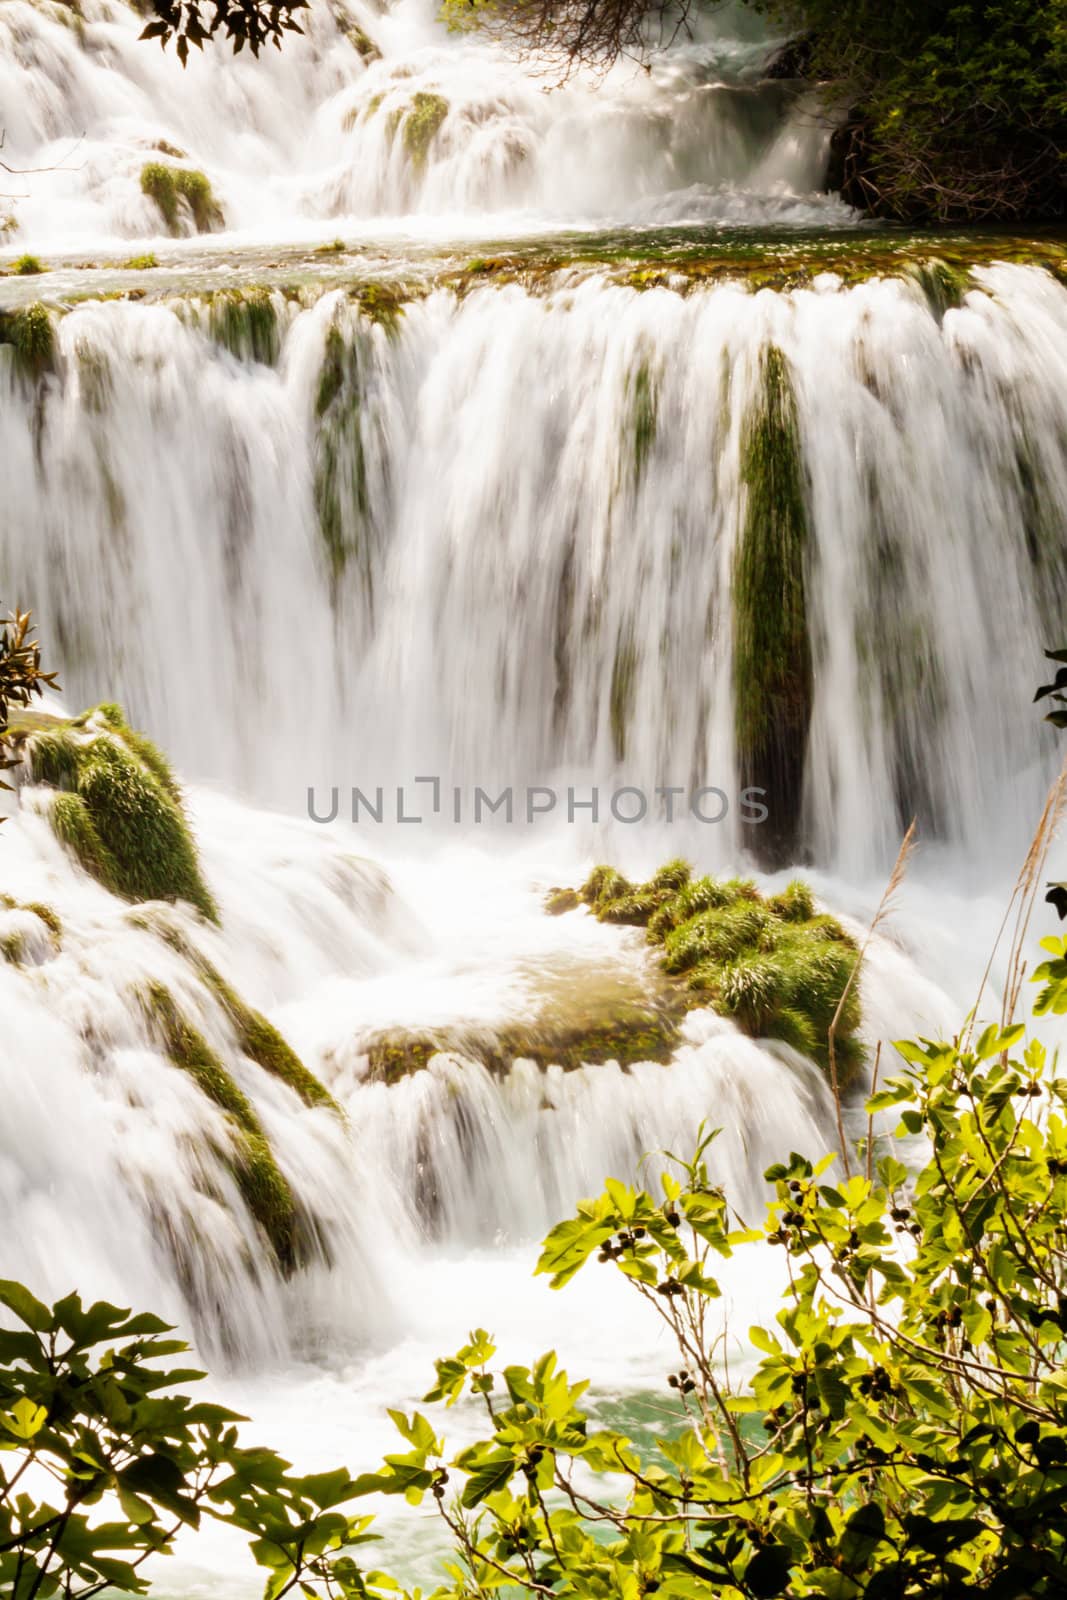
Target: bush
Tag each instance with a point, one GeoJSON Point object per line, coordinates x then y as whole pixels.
{"type": "Point", "coordinates": [21, 677]}
{"type": "Point", "coordinates": [904, 1435]}
{"type": "Point", "coordinates": [84, 1401]}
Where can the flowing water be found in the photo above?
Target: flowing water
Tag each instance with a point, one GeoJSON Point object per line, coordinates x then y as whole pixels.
{"type": "Point", "coordinates": [335, 518]}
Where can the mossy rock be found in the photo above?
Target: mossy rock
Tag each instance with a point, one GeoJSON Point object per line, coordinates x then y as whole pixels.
{"type": "Point", "coordinates": [774, 965]}
{"type": "Point", "coordinates": [169, 187]}
{"type": "Point", "coordinates": [245, 322]}
{"type": "Point", "coordinates": [255, 1171]}
{"type": "Point", "coordinates": [419, 124]}
{"type": "Point", "coordinates": [257, 1038]}
{"type": "Point", "coordinates": [119, 808]}
{"type": "Point", "coordinates": [31, 336]}
{"type": "Point", "coordinates": [626, 1032]}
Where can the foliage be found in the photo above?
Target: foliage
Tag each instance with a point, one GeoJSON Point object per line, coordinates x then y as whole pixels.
{"type": "Point", "coordinates": [141, 263]}
{"type": "Point", "coordinates": [903, 1435]}
{"type": "Point", "coordinates": [104, 1459]}
{"type": "Point", "coordinates": [30, 334]}
{"type": "Point", "coordinates": [774, 965]}
{"type": "Point", "coordinates": [957, 111]}
{"type": "Point", "coordinates": [905, 1432]}
{"type": "Point", "coordinates": [21, 677]}
{"type": "Point", "coordinates": [252, 22]}
{"type": "Point", "coordinates": [575, 33]}
{"type": "Point", "coordinates": [119, 809]}
{"type": "Point", "coordinates": [960, 109]}
{"type": "Point", "coordinates": [28, 266]}
{"type": "Point", "coordinates": [1056, 689]}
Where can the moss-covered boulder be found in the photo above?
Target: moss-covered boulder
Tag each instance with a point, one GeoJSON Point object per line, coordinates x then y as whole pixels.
{"type": "Point", "coordinates": [255, 1170]}
{"type": "Point", "coordinates": [30, 336]}
{"type": "Point", "coordinates": [118, 807]}
{"type": "Point", "coordinates": [419, 124]}
{"type": "Point", "coordinates": [174, 189]}
{"type": "Point", "coordinates": [773, 964]}
{"type": "Point", "coordinates": [574, 1013]}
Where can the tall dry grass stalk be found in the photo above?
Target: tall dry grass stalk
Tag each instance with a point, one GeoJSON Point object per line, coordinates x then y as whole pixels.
{"type": "Point", "coordinates": [1022, 902]}
{"type": "Point", "coordinates": [885, 905]}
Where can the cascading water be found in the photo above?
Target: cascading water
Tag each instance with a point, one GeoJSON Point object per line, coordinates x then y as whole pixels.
{"type": "Point", "coordinates": [566, 469]}
{"type": "Point", "coordinates": [374, 116]}
{"type": "Point", "coordinates": [484, 512]}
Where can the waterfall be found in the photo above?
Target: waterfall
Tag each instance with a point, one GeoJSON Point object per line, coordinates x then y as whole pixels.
{"type": "Point", "coordinates": [372, 116]}
{"type": "Point", "coordinates": [493, 537]}
{"type": "Point", "coordinates": [392, 424]}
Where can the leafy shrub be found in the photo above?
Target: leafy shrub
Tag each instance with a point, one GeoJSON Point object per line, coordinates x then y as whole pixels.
{"type": "Point", "coordinates": [904, 1434]}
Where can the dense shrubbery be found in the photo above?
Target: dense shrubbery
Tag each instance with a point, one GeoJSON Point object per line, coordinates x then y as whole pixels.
{"type": "Point", "coordinates": [957, 110]}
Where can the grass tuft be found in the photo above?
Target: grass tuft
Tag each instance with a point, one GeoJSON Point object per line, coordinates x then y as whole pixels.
{"type": "Point", "coordinates": [775, 966]}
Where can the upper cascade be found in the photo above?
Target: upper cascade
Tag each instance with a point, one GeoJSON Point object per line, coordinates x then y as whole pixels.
{"type": "Point", "coordinates": [373, 115]}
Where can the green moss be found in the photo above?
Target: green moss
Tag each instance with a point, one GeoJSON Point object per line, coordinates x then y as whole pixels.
{"type": "Point", "coordinates": [258, 1039]}
{"type": "Point", "coordinates": [623, 688]}
{"type": "Point", "coordinates": [13, 948]}
{"type": "Point", "coordinates": [643, 406]}
{"type": "Point", "coordinates": [28, 266]}
{"type": "Point", "coordinates": [245, 322]}
{"type": "Point", "coordinates": [944, 285]}
{"type": "Point", "coordinates": [141, 263]}
{"type": "Point", "coordinates": [420, 124]}
{"type": "Point", "coordinates": [32, 338]}
{"type": "Point", "coordinates": [119, 810]}
{"type": "Point", "coordinates": [362, 43]}
{"type": "Point", "coordinates": [626, 1032]}
{"type": "Point", "coordinates": [772, 663]}
{"type": "Point", "coordinates": [331, 373]}
{"type": "Point", "coordinates": [774, 965]}
{"type": "Point", "coordinates": [264, 1045]}
{"type": "Point", "coordinates": [257, 1174]}
{"type": "Point", "coordinates": [168, 186]}
{"type": "Point", "coordinates": [557, 901]}
{"type": "Point", "coordinates": [381, 303]}
{"type": "Point", "coordinates": [342, 495]}
{"type": "Point", "coordinates": [336, 247]}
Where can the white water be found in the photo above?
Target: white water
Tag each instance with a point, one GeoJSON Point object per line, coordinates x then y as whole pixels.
{"type": "Point", "coordinates": [299, 143]}
{"type": "Point", "coordinates": [506, 552]}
